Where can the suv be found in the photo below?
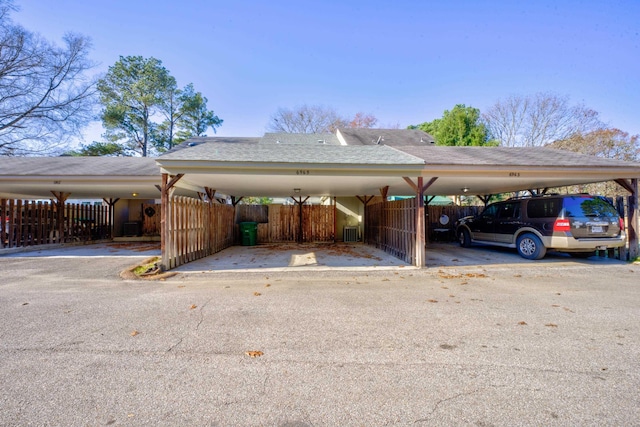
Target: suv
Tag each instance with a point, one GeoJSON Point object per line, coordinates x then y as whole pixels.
{"type": "Point", "coordinates": [578, 224]}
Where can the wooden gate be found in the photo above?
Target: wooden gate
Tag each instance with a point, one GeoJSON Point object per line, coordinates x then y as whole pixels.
{"type": "Point", "coordinates": [391, 226]}
{"type": "Point", "coordinates": [196, 229]}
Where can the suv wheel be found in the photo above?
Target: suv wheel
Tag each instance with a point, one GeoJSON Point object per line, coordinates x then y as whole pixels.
{"type": "Point", "coordinates": [463, 238]}
{"type": "Point", "coordinates": [530, 246]}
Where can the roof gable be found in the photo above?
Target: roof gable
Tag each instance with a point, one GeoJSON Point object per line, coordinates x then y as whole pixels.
{"type": "Point", "coordinates": [300, 138]}
{"type": "Point", "coordinates": [390, 137]}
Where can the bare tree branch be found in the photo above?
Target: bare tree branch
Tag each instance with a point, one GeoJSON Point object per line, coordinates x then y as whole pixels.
{"type": "Point", "coordinates": [533, 121]}
{"type": "Point", "coordinates": [45, 96]}
{"type": "Point", "coordinates": [316, 119]}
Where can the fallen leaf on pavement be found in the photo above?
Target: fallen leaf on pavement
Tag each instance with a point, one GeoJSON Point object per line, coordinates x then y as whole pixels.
{"type": "Point", "coordinates": [257, 294]}
{"type": "Point", "coordinates": [193, 306]}
{"type": "Point", "coordinates": [253, 353]}
{"type": "Point", "coordinates": [134, 333]}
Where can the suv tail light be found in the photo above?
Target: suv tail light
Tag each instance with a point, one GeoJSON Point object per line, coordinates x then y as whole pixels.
{"type": "Point", "coordinates": [621, 224]}
{"type": "Point", "coordinates": [561, 225]}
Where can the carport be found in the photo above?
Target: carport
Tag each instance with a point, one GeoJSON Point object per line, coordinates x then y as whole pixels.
{"type": "Point", "coordinates": [299, 171]}
{"type": "Point", "coordinates": [191, 180]}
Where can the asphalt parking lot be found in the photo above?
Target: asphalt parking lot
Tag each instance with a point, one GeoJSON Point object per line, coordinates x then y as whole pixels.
{"type": "Point", "coordinates": [480, 337]}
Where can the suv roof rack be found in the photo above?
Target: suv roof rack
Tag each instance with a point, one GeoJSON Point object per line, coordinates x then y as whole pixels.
{"type": "Point", "coordinates": [532, 196]}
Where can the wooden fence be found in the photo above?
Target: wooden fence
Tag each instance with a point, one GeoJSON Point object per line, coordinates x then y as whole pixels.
{"type": "Point", "coordinates": [196, 229]}
{"type": "Point", "coordinates": [30, 223]}
{"type": "Point", "coordinates": [391, 226]}
{"type": "Point", "coordinates": [441, 220]}
{"type": "Point", "coordinates": [281, 223]}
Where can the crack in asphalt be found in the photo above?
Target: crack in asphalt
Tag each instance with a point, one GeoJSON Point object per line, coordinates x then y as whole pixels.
{"type": "Point", "coordinates": [202, 313]}
{"type": "Point", "coordinates": [441, 401]}
{"type": "Point", "coordinates": [196, 328]}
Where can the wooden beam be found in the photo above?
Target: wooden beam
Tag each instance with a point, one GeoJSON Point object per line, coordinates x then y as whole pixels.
{"type": "Point", "coordinates": [626, 184]}
{"type": "Point", "coordinates": [164, 222]}
{"type": "Point", "coordinates": [335, 219]}
{"type": "Point", "coordinates": [485, 198]}
{"type": "Point", "coordinates": [235, 201]}
{"type": "Point", "coordinates": [300, 202]}
{"type": "Point", "coordinates": [429, 184]}
{"type": "Point", "coordinates": [365, 199]}
{"type": "Point", "coordinates": [166, 242]}
{"type": "Point", "coordinates": [211, 193]}
{"type": "Point", "coordinates": [420, 226]}
{"type": "Point", "coordinates": [417, 186]}
{"type": "Point", "coordinates": [112, 213]}
{"type": "Point", "coordinates": [61, 198]}
{"type": "Point", "coordinates": [633, 224]}
{"type": "Point", "coordinates": [412, 184]}
{"type": "Point", "coordinates": [384, 191]}
{"type": "Point", "coordinates": [173, 181]}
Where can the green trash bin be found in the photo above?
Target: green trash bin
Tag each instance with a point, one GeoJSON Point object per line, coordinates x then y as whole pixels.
{"type": "Point", "coordinates": [249, 231]}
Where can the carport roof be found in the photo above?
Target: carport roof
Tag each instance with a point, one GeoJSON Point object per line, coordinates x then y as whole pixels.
{"type": "Point", "coordinates": [246, 167]}
{"type": "Point", "coordinates": [319, 170]}
{"type": "Point", "coordinates": [509, 156]}
{"type": "Point", "coordinates": [83, 177]}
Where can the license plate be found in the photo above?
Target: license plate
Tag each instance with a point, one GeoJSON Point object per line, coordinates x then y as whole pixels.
{"type": "Point", "coordinates": [596, 229]}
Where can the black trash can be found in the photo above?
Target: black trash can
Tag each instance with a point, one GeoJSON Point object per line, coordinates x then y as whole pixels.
{"type": "Point", "coordinates": [249, 231]}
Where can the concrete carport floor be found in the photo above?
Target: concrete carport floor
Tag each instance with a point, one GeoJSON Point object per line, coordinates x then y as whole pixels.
{"type": "Point", "coordinates": [320, 258]}
{"type": "Point", "coordinates": [325, 257]}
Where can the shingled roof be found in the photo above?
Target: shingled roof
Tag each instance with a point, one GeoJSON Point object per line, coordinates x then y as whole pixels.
{"type": "Point", "coordinates": [261, 166]}
{"type": "Point", "coordinates": [300, 138]}
{"type": "Point", "coordinates": [294, 153]}
{"type": "Point", "coordinates": [508, 156]}
{"type": "Point", "coordinates": [80, 166]}
{"type": "Point", "coordinates": [390, 137]}
{"type": "Point", "coordinates": [197, 140]}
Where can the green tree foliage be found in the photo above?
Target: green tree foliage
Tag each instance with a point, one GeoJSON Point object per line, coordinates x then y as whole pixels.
{"type": "Point", "coordinates": [185, 116]}
{"type": "Point", "coordinates": [97, 148]}
{"type": "Point", "coordinates": [138, 91]}
{"type": "Point", "coordinates": [460, 126]}
{"type": "Point", "coordinates": [131, 93]}
{"type": "Point", "coordinates": [251, 200]}
{"type": "Point", "coordinates": [46, 97]}
{"type": "Point", "coordinates": [194, 118]}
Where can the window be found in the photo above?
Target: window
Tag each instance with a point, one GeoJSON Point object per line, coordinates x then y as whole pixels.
{"type": "Point", "coordinates": [544, 208]}
{"type": "Point", "coordinates": [509, 210]}
{"type": "Point", "coordinates": [588, 206]}
{"type": "Point", "coordinates": [490, 211]}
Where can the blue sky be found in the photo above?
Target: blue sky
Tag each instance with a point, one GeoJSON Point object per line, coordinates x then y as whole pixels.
{"type": "Point", "coordinates": [403, 61]}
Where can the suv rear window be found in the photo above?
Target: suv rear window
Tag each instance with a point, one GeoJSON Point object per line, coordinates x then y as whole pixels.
{"type": "Point", "coordinates": [544, 208]}
{"type": "Point", "coordinates": [588, 207]}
